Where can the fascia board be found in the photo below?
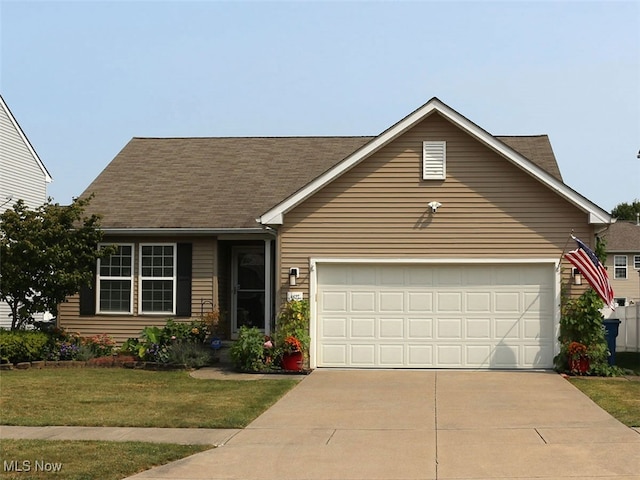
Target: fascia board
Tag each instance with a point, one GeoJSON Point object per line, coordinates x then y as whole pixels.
{"type": "Point", "coordinates": [275, 216]}
{"type": "Point", "coordinates": [186, 231]}
{"type": "Point", "coordinates": [25, 140]}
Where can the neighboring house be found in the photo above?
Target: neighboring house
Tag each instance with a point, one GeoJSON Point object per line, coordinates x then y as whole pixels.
{"type": "Point", "coordinates": [623, 260]}
{"type": "Point", "coordinates": [23, 176]}
{"type": "Point", "coordinates": [433, 244]}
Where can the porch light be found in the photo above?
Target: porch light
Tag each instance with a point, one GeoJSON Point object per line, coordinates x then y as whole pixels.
{"type": "Point", "coordinates": [294, 273]}
{"type": "Point", "coordinates": [577, 277]}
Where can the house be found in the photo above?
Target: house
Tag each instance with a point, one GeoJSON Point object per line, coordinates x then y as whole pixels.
{"type": "Point", "coordinates": [623, 260]}
{"type": "Point", "coordinates": [22, 175]}
{"type": "Point", "coordinates": [432, 244]}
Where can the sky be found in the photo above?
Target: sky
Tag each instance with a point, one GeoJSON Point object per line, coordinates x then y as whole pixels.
{"type": "Point", "coordinates": [84, 77]}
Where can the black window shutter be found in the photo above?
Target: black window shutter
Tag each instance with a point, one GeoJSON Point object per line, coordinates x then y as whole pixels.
{"type": "Point", "coordinates": [183, 288]}
{"type": "Point", "coordinates": [88, 298]}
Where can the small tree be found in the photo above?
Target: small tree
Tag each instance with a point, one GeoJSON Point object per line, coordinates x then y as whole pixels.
{"type": "Point", "coordinates": [46, 254]}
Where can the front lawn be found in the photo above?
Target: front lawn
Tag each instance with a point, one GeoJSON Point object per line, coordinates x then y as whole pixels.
{"type": "Point", "coordinates": [86, 460]}
{"type": "Point", "coordinates": [621, 398]}
{"type": "Point", "coordinates": [120, 397]}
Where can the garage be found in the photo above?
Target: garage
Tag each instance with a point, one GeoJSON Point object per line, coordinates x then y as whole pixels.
{"type": "Point", "coordinates": [424, 315]}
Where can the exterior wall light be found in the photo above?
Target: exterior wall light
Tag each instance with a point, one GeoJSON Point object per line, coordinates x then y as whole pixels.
{"type": "Point", "coordinates": [293, 274]}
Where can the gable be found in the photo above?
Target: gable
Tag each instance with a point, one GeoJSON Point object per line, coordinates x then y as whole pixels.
{"type": "Point", "coordinates": [22, 173]}
{"type": "Point", "coordinates": [596, 215]}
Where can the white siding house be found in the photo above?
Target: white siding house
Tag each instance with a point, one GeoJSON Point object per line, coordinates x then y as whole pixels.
{"type": "Point", "coordinates": [22, 175]}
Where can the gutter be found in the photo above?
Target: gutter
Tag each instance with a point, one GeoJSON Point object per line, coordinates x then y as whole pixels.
{"type": "Point", "coordinates": [186, 231]}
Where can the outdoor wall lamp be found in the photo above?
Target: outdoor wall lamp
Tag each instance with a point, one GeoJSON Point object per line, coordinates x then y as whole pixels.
{"type": "Point", "coordinates": [294, 273]}
{"type": "Point", "coordinates": [434, 206]}
{"type": "Point", "coordinates": [577, 277]}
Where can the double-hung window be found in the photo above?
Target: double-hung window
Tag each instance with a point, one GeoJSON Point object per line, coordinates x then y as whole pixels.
{"type": "Point", "coordinates": [114, 281]}
{"type": "Point", "coordinates": [158, 274]}
{"type": "Point", "coordinates": [636, 262]}
{"type": "Point", "coordinates": [620, 266]}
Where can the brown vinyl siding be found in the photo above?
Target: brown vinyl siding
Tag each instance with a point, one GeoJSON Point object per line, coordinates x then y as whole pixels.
{"type": "Point", "coordinates": [122, 327]}
{"type": "Point", "coordinates": [490, 208]}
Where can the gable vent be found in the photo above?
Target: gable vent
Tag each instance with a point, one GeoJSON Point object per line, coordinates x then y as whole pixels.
{"type": "Point", "coordinates": [434, 160]}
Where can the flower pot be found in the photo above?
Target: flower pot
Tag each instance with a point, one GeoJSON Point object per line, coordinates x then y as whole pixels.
{"type": "Point", "coordinates": [579, 365]}
{"type": "Point", "coordinates": [292, 361]}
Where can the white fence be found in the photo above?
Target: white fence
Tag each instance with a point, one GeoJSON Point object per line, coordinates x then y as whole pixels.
{"type": "Point", "coordinates": [628, 339]}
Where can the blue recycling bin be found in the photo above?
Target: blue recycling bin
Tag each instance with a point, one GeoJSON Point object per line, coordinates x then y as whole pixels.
{"type": "Point", "coordinates": [611, 326]}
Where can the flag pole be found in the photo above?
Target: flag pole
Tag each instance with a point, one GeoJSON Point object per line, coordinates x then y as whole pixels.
{"type": "Point", "coordinates": [565, 247]}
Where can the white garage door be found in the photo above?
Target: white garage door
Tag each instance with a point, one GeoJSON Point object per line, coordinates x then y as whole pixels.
{"type": "Point", "coordinates": [427, 316]}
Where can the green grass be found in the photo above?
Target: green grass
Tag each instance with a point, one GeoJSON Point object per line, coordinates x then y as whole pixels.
{"type": "Point", "coordinates": [119, 397]}
{"type": "Point", "coordinates": [629, 360]}
{"type": "Point", "coordinates": [86, 460]}
{"type": "Point", "coordinates": [621, 398]}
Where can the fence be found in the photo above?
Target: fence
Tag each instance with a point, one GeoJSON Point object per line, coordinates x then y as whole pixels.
{"type": "Point", "coordinates": [629, 333]}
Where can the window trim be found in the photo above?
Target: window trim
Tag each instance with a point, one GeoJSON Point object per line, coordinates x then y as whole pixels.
{"type": "Point", "coordinates": [636, 262]}
{"type": "Point", "coordinates": [142, 278]}
{"type": "Point", "coordinates": [441, 158]}
{"type": "Point", "coordinates": [130, 278]}
{"type": "Point", "coordinates": [616, 267]}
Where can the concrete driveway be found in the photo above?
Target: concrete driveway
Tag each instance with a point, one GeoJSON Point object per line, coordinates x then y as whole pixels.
{"type": "Point", "coordinates": [354, 424]}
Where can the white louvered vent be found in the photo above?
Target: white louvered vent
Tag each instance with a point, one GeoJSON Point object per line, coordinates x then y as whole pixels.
{"type": "Point", "coordinates": [434, 160]}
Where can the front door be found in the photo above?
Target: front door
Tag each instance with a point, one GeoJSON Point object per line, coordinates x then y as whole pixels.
{"type": "Point", "coordinates": [248, 293]}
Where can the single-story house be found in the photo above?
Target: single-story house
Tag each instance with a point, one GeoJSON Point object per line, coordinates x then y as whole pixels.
{"type": "Point", "coordinates": [432, 244]}
{"type": "Point", "coordinates": [623, 260]}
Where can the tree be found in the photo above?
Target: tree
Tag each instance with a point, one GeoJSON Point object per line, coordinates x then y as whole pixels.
{"type": "Point", "coordinates": [46, 255]}
{"type": "Point", "coordinates": [626, 211]}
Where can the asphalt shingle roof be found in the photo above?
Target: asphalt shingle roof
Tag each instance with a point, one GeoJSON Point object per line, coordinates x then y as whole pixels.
{"type": "Point", "coordinates": [623, 236]}
{"type": "Point", "coordinates": [228, 182]}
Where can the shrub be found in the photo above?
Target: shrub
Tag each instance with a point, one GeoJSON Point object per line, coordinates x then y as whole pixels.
{"type": "Point", "coordinates": [250, 351]}
{"type": "Point", "coordinates": [191, 354]}
{"type": "Point", "coordinates": [100, 345]}
{"type": "Point", "coordinates": [23, 345]}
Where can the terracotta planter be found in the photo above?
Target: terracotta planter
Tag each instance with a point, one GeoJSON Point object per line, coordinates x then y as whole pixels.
{"type": "Point", "coordinates": [579, 365]}
{"type": "Point", "coordinates": [292, 361]}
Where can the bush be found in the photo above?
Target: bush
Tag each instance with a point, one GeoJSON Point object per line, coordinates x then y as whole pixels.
{"type": "Point", "coordinates": [249, 352]}
{"type": "Point", "coordinates": [23, 345]}
{"type": "Point", "coordinates": [193, 355]}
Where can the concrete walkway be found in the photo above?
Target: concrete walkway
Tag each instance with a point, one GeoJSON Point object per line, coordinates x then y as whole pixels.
{"type": "Point", "coordinates": [423, 425]}
{"type": "Point", "coordinates": [399, 425]}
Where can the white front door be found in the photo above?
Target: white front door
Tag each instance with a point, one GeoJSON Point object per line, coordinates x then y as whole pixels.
{"type": "Point", "coordinates": [248, 292]}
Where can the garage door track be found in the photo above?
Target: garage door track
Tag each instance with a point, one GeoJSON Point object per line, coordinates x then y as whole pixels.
{"type": "Point", "coordinates": [354, 424]}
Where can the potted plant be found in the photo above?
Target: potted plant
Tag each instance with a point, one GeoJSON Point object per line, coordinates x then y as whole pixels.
{"type": "Point", "coordinates": [578, 358]}
{"type": "Point", "coordinates": [292, 334]}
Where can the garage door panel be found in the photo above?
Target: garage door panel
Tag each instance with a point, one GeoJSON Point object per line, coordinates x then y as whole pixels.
{"type": "Point", "coordinates": [363, 301]}
{"type": "Point", "coordinates": [363, 328]}
{"type": "Point", "coordinates": [363, 354]}
{"type": "Point", "coordinates": [391, 328]}
{"type": "Point", "coordinates": [334, 328]}
{"type": "Point", "coordinates": [449, 301]}
{"type": "Point", "coordinates": [444, 316]}
{"type": "Point", "coordinates": [419, 302]}
{"type": "Point", "coordinates": [420, 328]}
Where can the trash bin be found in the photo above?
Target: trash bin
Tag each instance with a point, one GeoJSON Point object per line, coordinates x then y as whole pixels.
{"type": "Point", "coordinates": [611, 326]}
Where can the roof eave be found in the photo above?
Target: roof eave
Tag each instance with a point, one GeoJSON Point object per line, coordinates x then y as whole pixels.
{"type": "Point", "coordinates": [135, 231]}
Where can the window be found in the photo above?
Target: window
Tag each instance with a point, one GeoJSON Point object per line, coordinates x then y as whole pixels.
{"type": "Point", "coordinates": [636, 262]}
{"type": "Point", "coordinates": [157, 278]}
{"type": "Point", "coordinates": [115, 281]}
{"type": "Point", "coordinates": [620, 266]}
{"type": "Point", "coordinates": [620, 302]}
{"type": "Point", "coordinates": [434, 160]}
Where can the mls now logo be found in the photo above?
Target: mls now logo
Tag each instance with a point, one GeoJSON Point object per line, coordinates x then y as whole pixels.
{"type": "Point", "coordinates": [28, 466]}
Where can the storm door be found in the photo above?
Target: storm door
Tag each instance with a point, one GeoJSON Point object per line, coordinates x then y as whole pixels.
{"type": "Point", "coordinates": [248, 292]}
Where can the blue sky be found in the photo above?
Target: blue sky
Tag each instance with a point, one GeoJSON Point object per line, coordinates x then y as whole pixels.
{"type": "Point", "coordinates": [83, 78]}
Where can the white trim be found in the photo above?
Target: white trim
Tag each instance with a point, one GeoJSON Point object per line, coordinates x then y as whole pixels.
{"type": "Point", "coordinates": [313, 284]}
{"type": "Point", "coordinates": [434, 157]}
{"type": "Point", "coordinates": [25, 140]}
{"type": "Point", "coordinates": [267, 286]}
{"type": "Point", "coordinates": [616, 267]}
{"type": "Point", "coordinates": [130, 278]}
{"type": "Point", "coordinates": [142, 278]}
{"type": "Point", "coordinates": [275, 216]}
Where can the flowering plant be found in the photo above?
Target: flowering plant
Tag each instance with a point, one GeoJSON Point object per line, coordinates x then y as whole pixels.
{"type": "Point", "coordinates": [577, 350]}
{"type": "Point", "coordinates": [292, 345]}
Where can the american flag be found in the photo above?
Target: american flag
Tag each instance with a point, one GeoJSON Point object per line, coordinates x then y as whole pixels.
{"type": "Point", "coordinates": [592, 270]}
